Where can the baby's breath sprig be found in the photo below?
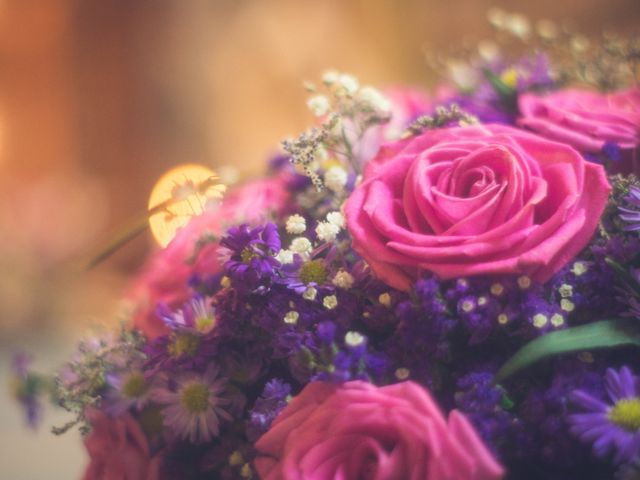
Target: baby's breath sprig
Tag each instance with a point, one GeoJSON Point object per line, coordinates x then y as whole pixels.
{"type": "Point", "coordinates": [84, 379]}
{"type": "Point", "coordinates": [347, 111]}
{"type": "Point", "coordinates": [443, 116]}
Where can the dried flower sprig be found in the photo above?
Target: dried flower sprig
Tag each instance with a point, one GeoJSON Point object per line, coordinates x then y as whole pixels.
{"type": "Point", "coordinates": [348, 111]}
{"type": "Point", "coordinates": [83, 380]}
{"type": "Point", "coordinates": [443, 116]}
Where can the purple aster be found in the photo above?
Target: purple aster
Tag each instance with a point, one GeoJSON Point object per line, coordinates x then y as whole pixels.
{"type": "Point", "coordinates": [130, 389]}
{"type": "Point", "coordinates": [613, 426]}
{"type": "Point", "coordinates": [631, 214]}
{"type": "Point", "coordinates": [194, 409]}
{"type": "Point", "coordinates": [197, 315]}
{"type": "Point", "coordinates": [303, 274]}
{"type": "Point", "coordinates": [250, 254]}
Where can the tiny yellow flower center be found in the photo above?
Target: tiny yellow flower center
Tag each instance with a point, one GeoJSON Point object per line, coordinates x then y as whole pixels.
{"type": "Point", "coordinates": [247, 255]}
{"type": "Point", "coordinates": [626, 414]}
{"type": "Point", "coordinates": [205, 324]}
{"type": "Point", "coordinates": [134, 386]}
{"type": "Point", "coordinates": [313, 271]}
{"type": "Point", "coordinates": [184, 344]}
{"type": "Point", "coordinates": [195, 398]}
{"type": "Point", "coordinates": [510, 77]}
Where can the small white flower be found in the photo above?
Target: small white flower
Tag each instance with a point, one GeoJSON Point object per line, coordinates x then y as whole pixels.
{"type": "Point", "coordinates": [336, 218]}
{"type": "Point", "coordinates": [285, 257]}
{"type": "Point", "coordinates": [343, 279]}
{"type": "Point", "coordinates": [336, 178]}
{"type": "Point", "coordinates": [330, 302]}
{"type": "Point", "coordinates": [329, 77]}
{"type": "Point", "coordinates": [310, 294]}
{"type": "Point", "coordinates": [567, 305]}
{"type": "Point", "coordinates": [524, 282]}
{"type": "Point", "coordinates": [402, 373]}
{"type": "Point", "coordinates": [354, 339]}
{"type": "Point", "coordinates": [579, 268]}
{"type": "Point", "coordinates": [374, 99]}
{"type": "Point", "coordinates": [319, 105]}
{"type": "Point", "coordinates": [296, 224]}
{"type": "Point", "coordinates": [565, 290]}
{"type": "Point", "coordinates": [301, 245]}
{"type": "Point", "coordinates": [385, 299]}
{"type": "Point", "coordinates": [557, 320]}
{"type": "Point", "coordinates": [327, 232]}
{"type": "Point", "coordinates": [540, 320]}
{"type": "Point", "coordinates": [349, 83]}
{"type": "Point", "coordinates": [291, 317]}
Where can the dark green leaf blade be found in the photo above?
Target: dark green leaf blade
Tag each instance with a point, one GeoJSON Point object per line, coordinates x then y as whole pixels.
{"type": "Point", "coordinates": [602, 334]}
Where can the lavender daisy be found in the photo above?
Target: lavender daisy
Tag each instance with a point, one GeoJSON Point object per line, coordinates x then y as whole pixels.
{"type": "Point", "coordinates": [611, 427]}
{"type": "Point", "coordinates": [195, 408]}
{"type": "Point", "coordinates": [130, 389]}
{"type": "Point", "coordinates": [197, 314]}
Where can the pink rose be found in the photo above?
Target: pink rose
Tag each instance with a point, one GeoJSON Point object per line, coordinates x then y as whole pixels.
{"type": "Point", "coordinates": [407, 104]}
{"type": "Point", "coordinates": [359, 431]}
{"type": "Point", "coordinates": [478, 200]}
{"type": "Point", "coordinates": [587, 120]}
{"type": "Point", "coordinates": [165, 276]}
{"type": "Point", "coordinates": [118, 450]}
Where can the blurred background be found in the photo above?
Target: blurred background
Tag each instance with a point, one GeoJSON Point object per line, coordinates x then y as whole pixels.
{"type": "Point", "coordinates": [99, 97]}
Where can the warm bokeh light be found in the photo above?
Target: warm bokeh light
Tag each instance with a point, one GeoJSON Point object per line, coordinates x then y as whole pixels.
{"type": "Point", "coordinates": [187, 191]}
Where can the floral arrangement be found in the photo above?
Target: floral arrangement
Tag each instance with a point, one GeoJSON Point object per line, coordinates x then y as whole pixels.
{"type": "Point", "coordinates": [437, 286]}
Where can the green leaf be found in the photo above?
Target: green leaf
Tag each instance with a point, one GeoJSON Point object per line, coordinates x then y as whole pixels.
{"type": "Point", "coordinates": [603, 334]}
{"type": "Point", "coordinates": [507, 94]}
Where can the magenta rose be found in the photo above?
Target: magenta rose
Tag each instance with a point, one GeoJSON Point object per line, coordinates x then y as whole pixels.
{"type": "Point", "coordinates": [360, 431]}
{"type": "Point", "coordinates": [587, 120]}
{"type": "Point", "coordinates": [166, 274]}
{"type": "Point", "coordinates": [478, 200]}
{"type": "Point", "coordinates": [118, 450]}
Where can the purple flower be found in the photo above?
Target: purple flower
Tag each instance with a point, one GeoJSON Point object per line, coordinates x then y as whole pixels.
{"type": "Point", "coordinates": [129, 389]}
{"type": "Point", "coordinates": [267, 407]}
{"type": "Point", "coordinates": [195, 407]}
{"type": "Point", "coordinates": [610, 426]}
{"type": "Point", "coordinates": [250, 255]}
{"type": "Point", "coordinates": [27, 387]}
{"type": "Point", "coordinates": [631, 214]}
{"type": "Point", "coordinates": [197, 314]}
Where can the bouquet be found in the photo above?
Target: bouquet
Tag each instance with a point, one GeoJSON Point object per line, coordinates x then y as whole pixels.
{"type": "Point", "coordinates": [425, 286]}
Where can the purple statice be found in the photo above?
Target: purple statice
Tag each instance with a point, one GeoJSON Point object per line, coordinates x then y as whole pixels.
{"type": "Point", "coordinates": [613, 426]}
{"type": "Point", "coordinates": [631, 213]}
{"type": "Point", "coordinates": [249, 252]}
{"type": "Point", "coordinates": [486, 405]}
{"type": "Point", "coordinates": [267, 406]}
{"type": "Point", "coordinates": [195, 406]}
{"type": "Point", "coordinates": [27, 387]}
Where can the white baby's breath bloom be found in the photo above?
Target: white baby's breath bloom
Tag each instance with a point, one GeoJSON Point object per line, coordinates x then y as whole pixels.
{"type": "Point", "coordinates": [330, 302]}
{"type": "Point", "coordinates": [354, 339]}
{"type": "Point", "coordinates": [296, 224]}
{"type": "Point", "coordinates": [374, 99]}
{"type": "Point", "coordinates": [291, 317]}
{"type": "Point", "coordinates": [319, 105]}
{"type": "Point", "coordinates": [336, 218]}
{"type": "Point", "coordinates": [343, 279]}
{"type": "Point", "coordinates": [518, 25]}
{"type": "Point", "coordinates": [402, 373]}
{"type": "Point", "coordinates": [329, 77]}
{"type": "Point", "coordinates": [310, 293]}
{"type": "Point", "coordinates": [327, 232]}
{"type": "Point", "coordinates": [349, 83]}
{"type": "Point", "coordinates": [385, 299]}
{"type": "Point", "coordinates": [336, 178]}
{"type": "Point", "coordinates": [301, 245]}
{"type": "Point", "coordinates": [285, 257]}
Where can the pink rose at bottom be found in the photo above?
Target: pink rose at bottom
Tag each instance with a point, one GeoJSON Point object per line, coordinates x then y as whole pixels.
{"type": "Point", "coordinates": [118, 450]}
{"type": "Point", "coordinates": [360, 431]}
